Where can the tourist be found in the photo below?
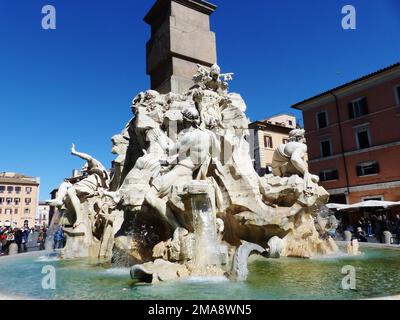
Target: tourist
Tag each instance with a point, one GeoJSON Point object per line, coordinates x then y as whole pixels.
{"type": "Point", "coordinates": [360, 235]}
{"type": "Point", "coordinates": [374, 218]}
{"type": "Point", "coordinates": [3, 239]}
{"type": "Point", "coordinates": [349, 228]}
{"type": "Point", "coordinates": [386, 224]}
{"type": "Point", "coordinates": [10, 238]}
{"type": "Point", "coordinates": [368, 224]}
{"type": "Point", "coordinates": [42, 238]}
{"type": "Point", "coordinates": [379, 229]}
{"type": "Point", "coordinates": [360, 224]}
{"type": "Point", "coordinates": [25, 236]}
{"type": "Point", "coordinates": [18, 238]}
{"type": "Point", "coordinates": [59, 238]}
{"type": "Point", "coordinates": [397, 227]}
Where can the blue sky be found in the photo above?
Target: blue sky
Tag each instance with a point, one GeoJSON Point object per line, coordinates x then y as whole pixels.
{"type": "Point", "coordinates": [75, 83]}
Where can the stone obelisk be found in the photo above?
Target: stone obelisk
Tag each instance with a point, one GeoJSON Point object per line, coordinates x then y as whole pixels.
{"type": "Point", "coordinates": [180, 39]}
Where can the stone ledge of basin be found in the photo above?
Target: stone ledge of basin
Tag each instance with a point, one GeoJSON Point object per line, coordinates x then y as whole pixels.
{"type": "Point", "coordinates": [373, 245]}
{"type": "Point", "coordinates": [4, 297]}
{"type": "Point", "coordinates": [25, 254]}
{"type": "Point", "coordinates": [386, 298]}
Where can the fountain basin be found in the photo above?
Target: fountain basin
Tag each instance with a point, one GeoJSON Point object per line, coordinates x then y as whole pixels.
{"type": "Point", "coordinates": [285, 278]}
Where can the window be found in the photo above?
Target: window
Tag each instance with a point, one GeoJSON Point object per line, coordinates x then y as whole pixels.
{"type": "Point", "coordinates": [397, 94]}
{"type": "Point", "coordinates": [1, 200]}
{"type": "Point", "coordinates": [367, 168]}
{"type": "Point", "coordinates": [16, 211]}
{"type": "Point", "coordinates": [17, 190]}
{"type": "Point", "coordinates": [290, 122]}
{"type": "Point", "coordinates": [322, 119]}
{"type": "Point", "coordinates": [326, 148]}
{"type": "Point", "coordinates": [28, 189]}
{"type": "Point", "coordinates": [17, 201]}
{"type": "Point", "coordinates": [2, 188]}
{"type": "Point", "coordinates": [268, 142]}
{"type": "Point", "coordinates": [26, 211]}
{"type": "Point", "coordinates": [8, 200]}
{"type": "Point", "coordinates": [328, 175]}
{"type": "Point", "coordinates": [10, 189]}
{"type": "Point", "coordinates": [363, 138]}
{"type": "Point", "coordinates": [376, 198]}
{"type": "Point", "coordinates": [1, 210]}
{"type": "Point", "coordinates": [358, 108]}
{"type": "Point", "coordinates": [28, 200]}
{"type": "Point", "coordinates": [8, 211]}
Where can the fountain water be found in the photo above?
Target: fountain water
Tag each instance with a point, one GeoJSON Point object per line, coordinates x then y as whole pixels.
{"type": "Point", "coordinates": [204, 224]}
{"type": "Point", "coordinates": [54, 225]}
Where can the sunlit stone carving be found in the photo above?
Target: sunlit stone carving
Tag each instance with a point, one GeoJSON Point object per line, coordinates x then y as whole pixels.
{"type": "Point", "coordinates": [184, 197]}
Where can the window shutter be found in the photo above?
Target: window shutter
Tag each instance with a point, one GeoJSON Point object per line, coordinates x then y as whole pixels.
{"type": "Point", "coordinates": [364, 103]}
{"type": "Point", "coordinates": [359, 171]}
{"type": "Point", "coordinates": [351, 111]}
{"type": "Point", "coordinates": [376, 167]}
{"type": "Point", "coordinates": [322, 120]}
{"type": "Point", "coordinates": [335, 175]}
{"type": "Point", "coordinates": [398, 94]}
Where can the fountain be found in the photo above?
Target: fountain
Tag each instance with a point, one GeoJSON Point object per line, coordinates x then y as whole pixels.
{"type": "Point", "coordinates": [182, 201]}
{"type": "Point", "coordinates": [184, 164]}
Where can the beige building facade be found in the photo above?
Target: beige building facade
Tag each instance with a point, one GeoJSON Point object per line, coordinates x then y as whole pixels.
{"type": "Point", "coordinates": [18, 199]}
{"type": "Point", "coordinates": [268, 134]}
{"type": "Point", "coordinates": [42, 216]}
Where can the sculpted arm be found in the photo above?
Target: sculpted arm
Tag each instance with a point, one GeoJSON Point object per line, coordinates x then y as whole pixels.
{"type": "Point", "coordinates": [82, 155]}
{"type": "Point", "coordinates": [162, 139]}
{"type": "Point", "coordinates": [180, 147]}
{"type": "Point", "coordinates": [297, 159]}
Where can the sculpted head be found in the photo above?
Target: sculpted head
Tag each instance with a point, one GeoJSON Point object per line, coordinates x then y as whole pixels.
{"type": "Point", "coordinates": [215, 71]}
{"type": "Point", "coordinates": [297, 135]}
{"type": "Point", "coordinates": [136, 102]}
{"type": "Point", "coordinates": [119, 144]}
{"type": "Point", "coordinates": [151, 95]}
{"type": "Point", "coordinates": [191, 116]}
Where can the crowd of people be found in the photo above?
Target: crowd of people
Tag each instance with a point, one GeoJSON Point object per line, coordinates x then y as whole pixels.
{"type": "Point", "coordinates": [375, 226]}
{"type": "Point", "coordinates": [20, 236]}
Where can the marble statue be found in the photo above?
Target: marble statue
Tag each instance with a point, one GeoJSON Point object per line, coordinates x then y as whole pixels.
{"type": "Point", "coordinates": [182, 197]}
{"type": "Point", "coordinates": [193, 148]}
{"type": "Point", "coordinates": [211, 79]}
{"type": "Point", "coordinates": [288, 158]}
{"type": "Point", "coordinates": [120, 143]}
{"type": "Point", "coordinates": [96, 177]}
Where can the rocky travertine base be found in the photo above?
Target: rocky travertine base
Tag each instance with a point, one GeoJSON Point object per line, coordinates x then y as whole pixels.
{"type": "Point", "coordinates": [161, 270]}
{"type": "Point", "coordinates": [304, 202]}
{"type": "Point", "coordinates": [305, 242]}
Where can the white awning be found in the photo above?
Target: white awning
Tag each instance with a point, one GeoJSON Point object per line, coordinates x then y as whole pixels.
{"type": "Point", "coordinates": [363, 204]}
